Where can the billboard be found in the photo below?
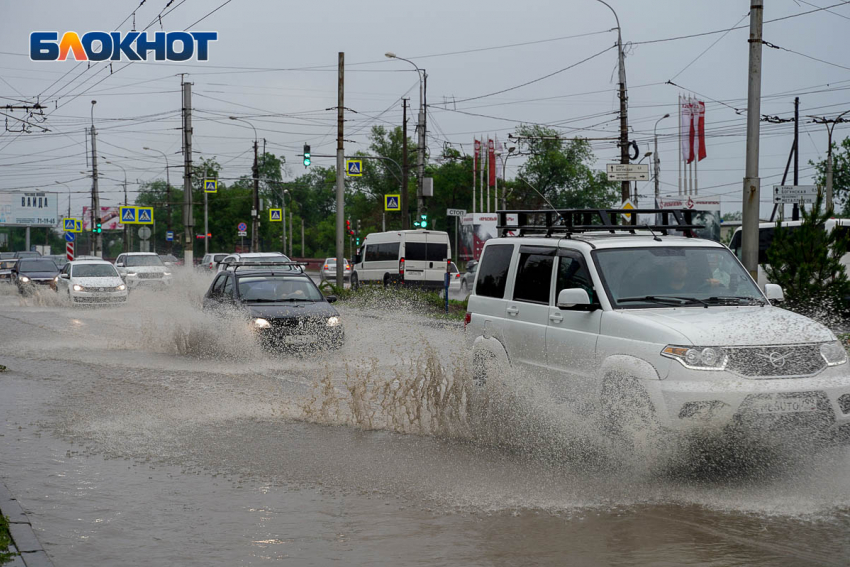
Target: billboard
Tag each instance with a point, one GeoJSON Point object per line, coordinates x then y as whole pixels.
{"type": "Point", "coordinates": [707, 212]}
{"type": "Point", "coordinates": [475, 230]}
{"type": "Point", "coordinates": [34, 208]}
{"type": "Point", "coordinates": [110, 219]}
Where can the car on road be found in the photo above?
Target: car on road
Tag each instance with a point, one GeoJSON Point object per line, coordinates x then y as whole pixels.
{"type": "Point", "coordinates": [651, 333]}
{"type": "Point", "coordinates": [25, 254]}
{"type": "Point", "coordinates": [414, 258]}
{"type": "Point", "coordinates": [59, 259]}
{"type": "Point", "coordinates": [328, 271]}
{"type": "Point", "coordinates": [6, 270]}
{"type": "Point", "coordinates": [209, 262]}
{"type": "Point", "coordinates": [468, 277]}
{"type": "Point", "coordinates": [7, 255]}
{"type": "Point", "coordinates": [170, 260]}
{"type": "Point", "coordinates": [91, 282]}
{"type": "Point", "coordinates": [283, 307]}
{"type": "Point", "coordinates": [31, 274]}
{"type": "Point", "coordinates": [454, 278]}
{"type": "Point", "coordinates": [143, 269]}
{"type": "Point", "coordinates": [254, 257]}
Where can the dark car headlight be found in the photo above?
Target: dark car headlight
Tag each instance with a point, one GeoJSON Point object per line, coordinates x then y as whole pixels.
{"type": "Point", "coordinates": [334, 321]}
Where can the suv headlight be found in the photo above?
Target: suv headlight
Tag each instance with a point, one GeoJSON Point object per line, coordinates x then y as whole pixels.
{"type": "Point", "coordinates": [260, 323]}
{"type": "Point", "coordinates": [333, 321]}
{"type": "Point", "coordinates": [697, 358]}
{"type": "Point", "coordinates": [122, 287]}
{"type": "Point", "coordinates": [833, 353]}
{"type": "Point", "coordinates": [24, 279]}
{"type": "Point", "coordinates": [78, 287]}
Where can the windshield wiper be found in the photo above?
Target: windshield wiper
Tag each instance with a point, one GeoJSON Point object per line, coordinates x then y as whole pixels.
{"type": "Point", "coordinates": [665, 299]}
{"type": "Point", "coordinates": [736, 299]}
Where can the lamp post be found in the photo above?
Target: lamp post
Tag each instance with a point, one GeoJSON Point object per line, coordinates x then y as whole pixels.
{"type": "Point", "coordinates": [511, 150]}
{"type": "Point", "coordinates": [646, 155]}
{"type": "Point", "coordinates": [167, 196]}
{"type": "Point", "coordinates": [255, 211]}
{"type": "Point", "coordinates": [657, 160]}
{"type": "Point", "coordinates": [423, 76]}
{"type": "Point", "coordinates": [126, 241]}
{"type": "Point", "coordinates": [829, 129]}
{"type": "Point", "coordinates": [69, 196]}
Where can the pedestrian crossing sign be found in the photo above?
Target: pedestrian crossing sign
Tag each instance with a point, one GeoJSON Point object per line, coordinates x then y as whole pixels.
{"type": "Point", "coordinates": [73, 225]}
{"type": "Point", "coordinates": [392, 202]}
{"type": "Point", "coordinates": [210, 185]}
{"type": "Point", "coordinates": [128, 215]}
{"type": "Point", "coordinates": [145, 215]}
{"type": "Point", "coordinates": [275, 215]}
{"type": "Point", "coordinates": [354, 167]}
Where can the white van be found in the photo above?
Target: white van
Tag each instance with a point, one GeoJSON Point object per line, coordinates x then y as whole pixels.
{"type": "Point", "coordinates": [411, 257]}
{"type": "Point", "coordinates": [766, 230]}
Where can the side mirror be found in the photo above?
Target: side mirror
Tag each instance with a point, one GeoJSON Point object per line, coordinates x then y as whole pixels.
{"type": "Point", "coordinates": [331, 299]}
{"type": "Point", "coordinates": [65, 276]}
{"type": "Point", "coordinates": [572, 298]}
{"type": "Point", "coordinates": [774, 292]}
{"type": "Point", "coordinates": [119, 265]}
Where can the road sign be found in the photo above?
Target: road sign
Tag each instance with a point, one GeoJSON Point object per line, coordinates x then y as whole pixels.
{"type": "Point", "coordinates": [354, 167]}
{"type": "Point", "coordinates": [70, 237]}
{"type": "Point", "coordinates": [275, 215]}
{"type": "Point", "coordinates": [628, 171]}
{"type": "Point", "coordinates": [210, 185]}
{"type": "Point", "coordinates": [72, 225]}
{"type": "Point", "coordinates": [145, 215]}
{"type": "Point", "coordinates": [455, 213]}
{"type": "Point", "coordinates": [628, 205]}
{"type": "Point", "coordinates": [128, 215]}
{"type": "Point", "coordinates": [69, 251]}
{"type": "Point", "coordinates": [242, 233]}
{"type": "Point", "coordinates": [242, 227]}
{"type": "Point", "coordinates": [806, 194]}
{"type": "Point", "coordinates": [169, 236]}
{"type": "Point", "coordinates": [144, 232]}
{"type": "Point", "coordinates": [392, 202]}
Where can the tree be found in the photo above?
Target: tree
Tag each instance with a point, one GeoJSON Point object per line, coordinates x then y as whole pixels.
{"type": "Point", "coordinates": [561, 171]}
{"type": "Point", "coordinates": [736, 216]}
{"type": "Point", "coordinates": [806, 262]}
{"type": "Point", "coordinates": [840, 175]}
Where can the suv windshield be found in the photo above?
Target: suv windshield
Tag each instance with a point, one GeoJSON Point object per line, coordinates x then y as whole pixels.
{"type": "Point", "coordinates": [278, 288]}
{"type": "Point", "coordinates": [674, 276]}
{"type": "Point", "coordinates": [37, 266]}
{"type": "Point", "coordinates": [143, 261]}
{"type": "Point", "coordinates": [94, 271]}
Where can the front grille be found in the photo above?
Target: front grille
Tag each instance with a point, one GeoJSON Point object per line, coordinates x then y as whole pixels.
{"type": "Point", "coordinates": [780, 361]}
{"type": "Point", "coordinates": [92, 289]}
{"type": "Point", "coordinates": [150, 276]}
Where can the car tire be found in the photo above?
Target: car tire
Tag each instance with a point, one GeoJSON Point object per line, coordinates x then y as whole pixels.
{"type": "Point", "coordinates": [628, 415]}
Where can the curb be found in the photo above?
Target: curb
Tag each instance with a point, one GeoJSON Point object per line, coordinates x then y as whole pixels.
{"type": "Point", "coordinates": [25, 542]}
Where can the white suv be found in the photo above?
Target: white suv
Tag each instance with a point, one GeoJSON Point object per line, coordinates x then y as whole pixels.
{"type": "Point", "coordinates": [143, 269]}
{"type": "Point", "coordinates": [650, 330]}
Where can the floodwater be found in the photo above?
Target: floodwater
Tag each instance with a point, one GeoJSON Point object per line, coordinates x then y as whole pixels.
{"type": "Point", "coordinates": [153, 434]}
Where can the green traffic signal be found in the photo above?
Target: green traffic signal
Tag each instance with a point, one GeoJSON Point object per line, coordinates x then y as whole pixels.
{"type": "Point", "coordinates": [307, 160]}
{"type": "Point", "coordinates": [98, 226]}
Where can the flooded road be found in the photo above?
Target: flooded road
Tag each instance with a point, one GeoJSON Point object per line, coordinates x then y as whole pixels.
{"type": "Point", "coordinates": [153, 434]}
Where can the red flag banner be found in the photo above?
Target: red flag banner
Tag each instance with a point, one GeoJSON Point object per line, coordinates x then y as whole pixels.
{"type": "Point", "coordinates": [491, 161]}
{"type": "Point", "coordinates": [699, 127]}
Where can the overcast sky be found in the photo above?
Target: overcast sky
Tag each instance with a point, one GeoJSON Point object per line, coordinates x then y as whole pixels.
{"type": "Point", "coordinates": [275, 65]}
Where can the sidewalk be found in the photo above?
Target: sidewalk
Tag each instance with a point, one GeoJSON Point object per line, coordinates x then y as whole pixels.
{"type": "Point", "coordinates": [25, 540]}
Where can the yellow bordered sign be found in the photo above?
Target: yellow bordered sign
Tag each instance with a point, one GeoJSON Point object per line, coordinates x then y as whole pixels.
{"type": "Point", "coordinates": [275, 215]}
{"type": "Point", "coordinates": [392, 202]}
{"type": "Point", "coordinates": [354, 167]}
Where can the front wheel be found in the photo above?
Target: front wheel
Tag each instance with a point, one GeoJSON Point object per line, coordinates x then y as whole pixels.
{"type": "Point", "coordinates": [628, 415]}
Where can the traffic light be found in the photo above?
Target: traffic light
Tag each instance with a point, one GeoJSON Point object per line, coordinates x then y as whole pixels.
{"type": "Point", "coordinates": [307, 160]}
{"type": "Point", "coordinates": [98, 226]}
{"type": "Point", "coordinates": [209, 235]}
{"type": "Point", "coordinates": [423, 223]}
{"type": "Point", "coordinates": [357, 241]}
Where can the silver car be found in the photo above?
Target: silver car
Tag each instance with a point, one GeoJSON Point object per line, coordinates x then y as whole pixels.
{"type": "Point", "coordinates": [328, 271]}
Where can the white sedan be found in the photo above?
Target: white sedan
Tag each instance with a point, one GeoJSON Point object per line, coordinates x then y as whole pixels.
{"type": "Point", "coordinates": [91, 282]}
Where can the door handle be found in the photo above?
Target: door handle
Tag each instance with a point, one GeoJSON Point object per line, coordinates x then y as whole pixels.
{"type": "Point", "coordinates": [556, 318]}
{"type": "Point", "coordinates": [513, 310]}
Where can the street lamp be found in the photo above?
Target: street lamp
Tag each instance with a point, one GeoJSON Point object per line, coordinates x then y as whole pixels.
{"type": "Point", "coordinates": [657, 160]}
{"type": "Point", "coordinates": [423, 76]}
{"type": "Point", "coordinates": [255, 222]}
{"type": "Point", "coordinates": [167, 195]}
{"type": "Point", "coordinates": [126, 242]}
{"type": "Point", "coordinates": [829, 130]}
{"type": "Point", "coordinates": [69, 196]}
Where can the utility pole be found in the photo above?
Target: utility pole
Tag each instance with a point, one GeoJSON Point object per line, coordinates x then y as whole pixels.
{"type": "Point", "coordinates": [405, 174]}
{"type": "Point", "coordinates": [188, 216]}
{"type": "Point", "coordinates": [751, 192]}
{"type": "Point", "coordinates": [420, 198]}
{"type": "Point", "coordinates": [795, 211]}
{"type": "Point", "coordinates": [97, 240]}
{"type": "Point", "coordinates": [340, 175]}
{"type": "Point", "coordinates": [206, 222]}
{"type": "Point", "coordinates": [830, 126]}
{"type": "Point", "coordinates": [656, 158]}
{"type": "Point", "coordinates": [303, 253]}
{"type": "Point", "coordinates": [255, 208]}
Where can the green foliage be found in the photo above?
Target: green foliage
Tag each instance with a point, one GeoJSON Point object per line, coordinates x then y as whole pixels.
{"type": "Point", "coordinates": [806, 262]}
{"type": "Point", "coordinates": [5, 540]}
{"type": "Point", "coordinates": [561, 171]}
{"type": "Point", "coordinates": [736, 216]}
{"type": "Point", "coordinates": [840, 175]}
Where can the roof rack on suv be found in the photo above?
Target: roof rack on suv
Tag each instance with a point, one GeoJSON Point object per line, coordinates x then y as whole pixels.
{"type": "Point", "coordinates": [570, 221]}
{"type": "Point", "coordinates": [272, 263]}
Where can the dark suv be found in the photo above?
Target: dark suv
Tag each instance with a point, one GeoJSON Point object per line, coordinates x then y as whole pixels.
{"type": "Point", "coordinates": [30, 274]}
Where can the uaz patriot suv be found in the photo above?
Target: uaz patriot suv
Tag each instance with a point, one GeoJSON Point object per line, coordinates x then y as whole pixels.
{"type": "Point", "coordinates": [671, 328]}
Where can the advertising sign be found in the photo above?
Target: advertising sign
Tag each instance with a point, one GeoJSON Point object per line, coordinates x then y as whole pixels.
{"type": "Point", "coordinates": [110, 218]}
{"type": "Point", "coordinates": [707, 212]}
{"type": "Point", "coordinates": [475, 230]}
{"type": "Point", "coordinates": [36, 208]}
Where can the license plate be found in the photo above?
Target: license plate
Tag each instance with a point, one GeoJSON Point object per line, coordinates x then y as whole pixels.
{"type": "Point", "coordinates": [784, 405]}
{"type": "Point", "coordinates": [300, 339]}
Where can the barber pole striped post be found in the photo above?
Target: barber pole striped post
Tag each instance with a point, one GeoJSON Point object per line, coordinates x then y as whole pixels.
{"type": "Point", "coordinates": [69, 251]}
